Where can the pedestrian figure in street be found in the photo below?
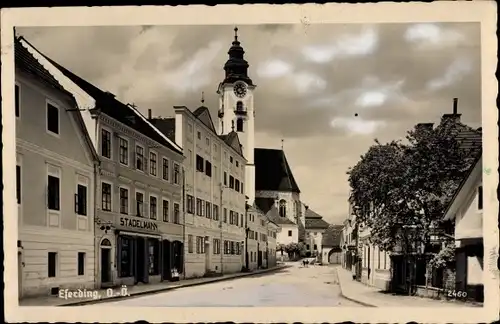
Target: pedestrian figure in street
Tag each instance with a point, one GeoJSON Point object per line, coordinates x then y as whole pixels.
{"type": "Point", "coordinates": [304, 263]}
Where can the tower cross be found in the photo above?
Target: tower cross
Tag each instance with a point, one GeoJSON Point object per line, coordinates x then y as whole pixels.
{"type": "Point", "coordinates": [202, 97]}
{"type": "Point", "coordinates": [235, 33]}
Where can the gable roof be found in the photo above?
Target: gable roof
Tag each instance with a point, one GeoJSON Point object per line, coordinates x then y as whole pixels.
{"type": "Point", "coordinates": [272, 171]}
{"type": "Point", "coordinates": [449, 211]}
{"type": "Point", "coordinates": [269, 208]}
{"type": "Point", "coordinates": [106, 103]}
{"type": "Point", "coordinates": [27, 62]}
{"type": "Point", "coordinates": [232, 139]}
{"type": "Point", "coordinates": [314, 220]}
{"type": "Point", "coordinates": [203, 114]}
{"type": "Point", "coordinates": [332, 236]}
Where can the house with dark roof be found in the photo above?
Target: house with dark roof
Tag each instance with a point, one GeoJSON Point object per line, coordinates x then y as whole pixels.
{"type": "Point", "coordinates": [56, 167]}
{"type": "Point", "coordinates": [315, 226]}
{"type": "Point", "coordinates": [466, 210]}
{"type": "Point", "coordinates": [139, 186]}
{"type": "Point", "coordinates": [214, 177]}
{"type": "Point", "coordinates": [331, 245]}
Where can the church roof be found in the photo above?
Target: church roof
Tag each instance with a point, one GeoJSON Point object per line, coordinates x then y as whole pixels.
{"type": "Point", "coordinates": [332, 235]}
{"type": "Point", "coordinates": [269, 208]}
{"type": "Point", "coordinates": [272, 171]}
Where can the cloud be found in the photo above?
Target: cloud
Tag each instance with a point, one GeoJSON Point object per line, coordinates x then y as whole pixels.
{"type": "Point", "coordinates": [308, 82]}
{"type": "Point", "coordinates": [274, 69]}
{"type": "Point", "coordinates": [356, 125]}
{"type": "Point", "coordinates": [430, 35]}
{"type": "Point", "coordinates": [454, 73]}
{"type": "Point", "coordinates": [349, 45]}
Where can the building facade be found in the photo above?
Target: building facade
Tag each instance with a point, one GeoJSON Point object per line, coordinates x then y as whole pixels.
{"type": "Point", "coordinates": [214, 177]}
{"type": "Point", "coordinates": [55, 177]}
{"type": "Point", "coordinates": [315, 227]}
{"type": "Point", "coordinates": [331, 245]}
{"type": "Point", "coordinates": [258, 244]}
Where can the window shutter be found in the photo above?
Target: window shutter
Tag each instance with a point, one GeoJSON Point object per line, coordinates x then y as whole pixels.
{"type": "Point", "coordinates": [76, 203]}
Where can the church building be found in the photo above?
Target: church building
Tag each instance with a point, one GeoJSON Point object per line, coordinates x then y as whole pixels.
{"type": "Point", "coordinates": [268, 174]}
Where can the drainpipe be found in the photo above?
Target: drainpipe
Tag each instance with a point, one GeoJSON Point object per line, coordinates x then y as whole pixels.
{"type": "Point", "coordinates": [221, 245]}
{"type": "Point", "coordinates": [97, 168]}
{"type": "Point", "coordinates": [184, 223]}
{"type": "Point", "coordinates": [246, 237]}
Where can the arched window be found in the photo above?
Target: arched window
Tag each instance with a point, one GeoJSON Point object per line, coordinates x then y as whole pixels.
{"type": "Point", "coordinates": [239, 125]}
{"type": "Point", "coordinates": [282, 208]}
{"type": "Point", "coordinates": [105, 242]}
{"type": "Point", "coordinates": [239, 106]}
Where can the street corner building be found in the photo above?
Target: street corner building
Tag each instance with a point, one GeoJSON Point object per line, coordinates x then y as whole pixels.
{"type": "Point", "coordinates": [55, 176]}
{"type": "Point", "coordinates": [261, 239]}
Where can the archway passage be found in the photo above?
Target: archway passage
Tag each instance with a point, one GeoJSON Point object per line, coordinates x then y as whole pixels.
{"type": "Point", "coordinates": [334, 256]}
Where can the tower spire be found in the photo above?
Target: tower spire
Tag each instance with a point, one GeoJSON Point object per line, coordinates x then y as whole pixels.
{"type": "Point", "coordinates": [236, 67]}
{"type": "Point", "coordinates": [235, 34]}
{"type": "Point", "coordinates": [282, 144]}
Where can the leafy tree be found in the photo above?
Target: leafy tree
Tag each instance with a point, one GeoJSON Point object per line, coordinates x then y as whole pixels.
{"type": "Point", "coordinates": [396, 185]}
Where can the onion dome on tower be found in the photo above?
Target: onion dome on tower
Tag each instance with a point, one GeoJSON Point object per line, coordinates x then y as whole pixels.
{"type": "Point", "coordinates": [236, 67]}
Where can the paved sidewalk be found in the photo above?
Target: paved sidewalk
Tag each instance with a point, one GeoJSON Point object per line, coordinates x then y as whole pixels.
{"type": "Point", "coordinates": [373, 297]}
{"type": "Point", "coordinates": [141, 289]}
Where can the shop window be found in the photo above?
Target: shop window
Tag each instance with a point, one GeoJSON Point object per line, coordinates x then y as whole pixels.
{"type": "Point", "coordinates": [125, 253]}
{"type": "Point", "coordinates": [154, 257]}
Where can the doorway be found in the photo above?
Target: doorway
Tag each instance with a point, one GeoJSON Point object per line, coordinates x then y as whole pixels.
{"type": "Point", "coordinates": [20, 274]}
{"type": "Point", "coordinates": [207, 254]}
{"type": "Point", "coordinates": [105, 265]}
{"type": "Point", "coordinates": [167, 259]}
{"type": "Point", "coordinates": [141, 261]}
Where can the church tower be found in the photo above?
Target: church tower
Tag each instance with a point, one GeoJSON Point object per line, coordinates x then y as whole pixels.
{"type": "Point", "coordinates": [236, 109]}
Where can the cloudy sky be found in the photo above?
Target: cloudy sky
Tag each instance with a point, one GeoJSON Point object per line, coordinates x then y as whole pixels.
{"type": "Point", "coordinates": [327, 90]}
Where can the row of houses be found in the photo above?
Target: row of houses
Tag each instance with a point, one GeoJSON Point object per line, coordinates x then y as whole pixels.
{"type": "Point", "coordinates": [107, 196]}
{"type": "Point", "coordinates": [391, 271]}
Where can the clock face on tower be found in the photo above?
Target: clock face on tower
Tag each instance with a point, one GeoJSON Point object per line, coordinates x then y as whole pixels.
{"type": "Point", "coordinates": [240, 89]}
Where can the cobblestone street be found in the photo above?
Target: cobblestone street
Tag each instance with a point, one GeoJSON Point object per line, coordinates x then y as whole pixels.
{"type": "Point", "coordinates": [294, 286]}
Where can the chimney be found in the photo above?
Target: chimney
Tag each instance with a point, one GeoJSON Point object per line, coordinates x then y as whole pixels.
{"type": "Point", "coordinates": [455, 116]}
{"type": "Point", "coordinates": [150, 114]}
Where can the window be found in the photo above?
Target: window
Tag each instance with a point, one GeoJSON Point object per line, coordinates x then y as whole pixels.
{"type": "Point", "coordinates": [54, 193]}
{"type": "Point", "coordinates": [152, 163]}
{"type": "Point", "coordinates": [18, 183]}
{"type": "Point", "coordinates": [199, 135]}
{"type": "Point", "coordinates": [165, 210]}
{"type": "Point", "coordinates": [153, 256]}
{"type": "Point", "coordinates": [215, 214]}
{"type": "Point", "coordinates": [165, 169]}
{"type": "Point", "coordinates": [177, 213]}
{"type": "Point", "coordinates": [239, 125]}
{"type": "Point", "coordinates": [199, 207]}
{"type": "Point", "coordinates": [106, 143]}
{"type": "Point", "coordinates": [124, 201]}
{"type": "Point", "coordinates": [190, 204]}
{"type": "Point", "coordinates": [52, 264]}
{"type": "Point", "coordinates": [152, 207]}
{"type": "Point", "coordinates": [231, 182]}
{"type": "Point", "coordinates": [282, 208]}
{"type": "Point", "coordinates": [208, 210]}
{"type": "Point", "coordinates": [225, 215]}
{"type": "Point", "coordinates": [480, 197]}
{"type": "Point", "coordinates": [139, 158]}
{"type": "Point", "coordinates": [125, 257]}
{"type": "Point", "coordinates": [17, 100]}
{"type": "Point", "coordinates": [139, 204]}
{"type": "Point", "coordinates": [241, 187]}
{"type": "Point", "coordinates": [226, 247]}
{"type": "Point", "coordinates": [81, 263]}
{"type": "Point", "coordinates": [378, 262]}
{"type": "Point", "coordinates": [289, 233]}
{"type": "Point", "coordinates": [239, 106]}
{"type": "Point", "coordinates": [207, 141]}
{"type": "Point", "coordinates": [242, 223]}
{"type": "Point", "coordinates": [307, 247]}
{"type": "Point", "coordinates": [237, 185]}
{"type": "Point", "coordinates": [123, 151]}
{"type": "Point", "coordinates": [231, 159]}
{"type": "Point", "coordinates": [81, 200]}
{"type": "Point", "coordinates": [106, 196]}
{"type": "Point", "coordinates": [237, 164]}
{"type": "Point", "coordinates": [176, 173]}
{"type": "Point", "coordinates": [216, 248]}
{"type": "Point", "coordinates": [315, 247]}
{"type": "Point", "coordinates": [190, 243]}
{"type": "Point", "coordinates": [208, 168]}
{"type": "Point", "coordinates": [52, 119]}
{"type": "Point", "coordinates": [200, 244]}
{"type": "Point", "coordinates": [225, 178]}
{"type": "Point", "coordinates": [199, 163]}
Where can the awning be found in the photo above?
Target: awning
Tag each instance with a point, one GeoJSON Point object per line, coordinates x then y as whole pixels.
{"type": "Point", "coordinates": [140, 234]}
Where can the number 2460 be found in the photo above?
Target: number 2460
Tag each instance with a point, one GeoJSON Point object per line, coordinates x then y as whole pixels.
{"type": "Point", "coordinates": [459, 294]}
